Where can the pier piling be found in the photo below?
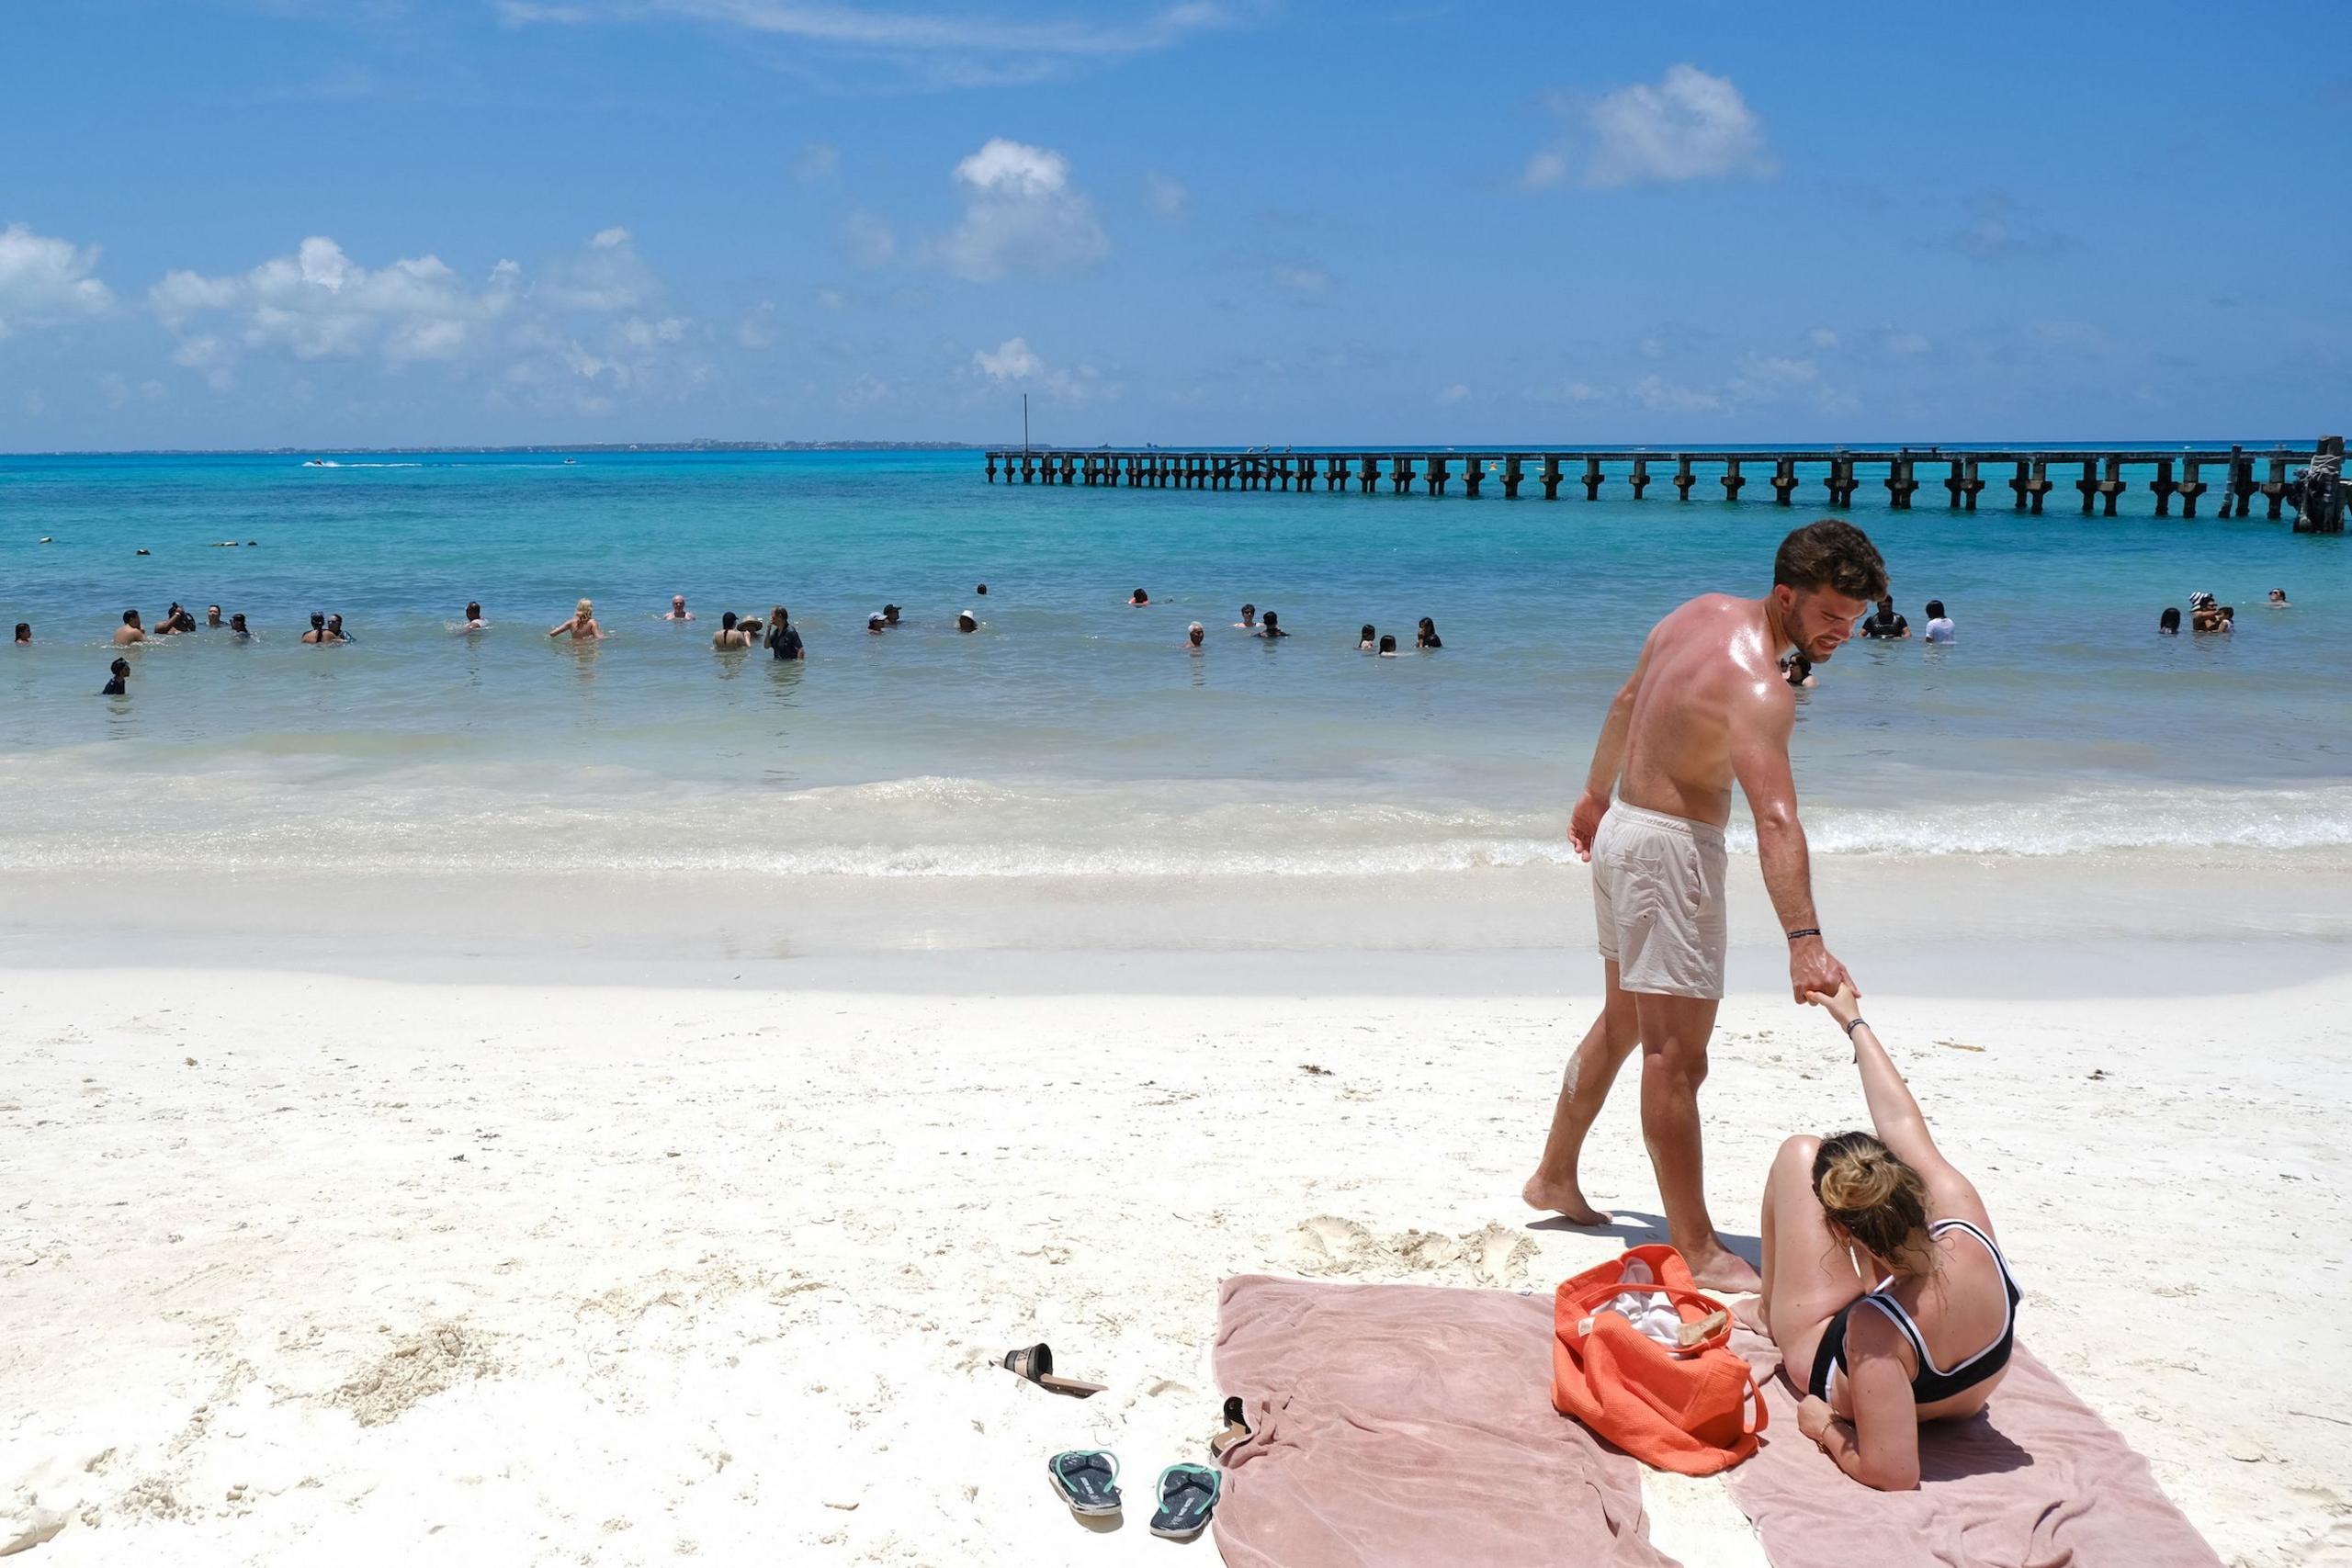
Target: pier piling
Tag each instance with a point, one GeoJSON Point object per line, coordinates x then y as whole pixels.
{"type": "Point", "coordinates": [1732, 483]}
{"type": "Point", "coordinates": [1900, 484]}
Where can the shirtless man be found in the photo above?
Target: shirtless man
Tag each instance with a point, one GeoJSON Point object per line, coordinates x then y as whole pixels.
{"type": "Point", "coordinates": [130, 631]}
{"type": "Point", "coordinates": [1706, 705]}
{"type": "Point", "coordinates": [678, 611]}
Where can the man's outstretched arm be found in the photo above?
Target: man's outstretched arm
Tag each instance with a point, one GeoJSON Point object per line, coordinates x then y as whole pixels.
{"type": "Point", "coordinates": [1760, 726]}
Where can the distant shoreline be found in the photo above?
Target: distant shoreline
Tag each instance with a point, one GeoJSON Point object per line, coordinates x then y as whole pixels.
{"type": "Point", "coordinates": [548, 448]}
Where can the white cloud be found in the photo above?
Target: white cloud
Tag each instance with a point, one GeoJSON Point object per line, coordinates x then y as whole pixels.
{"type": "Point", "coordinates": [1687, 125]}
{"type": "Point", "coordinates": [934, 47]}
{"type": "Point", "coordinates": [1015, 364]}
{"type": "Point", "coordinates": [1546, 168]}
{"type": "Point", "coordinates": [318, 303]}
{"type": "Point", "coordinates": [1651, 348]}
{"type": "Point", "coordinates": [1457, 393]}
{"type": "Point", "coordinates": [1021, 215]}
{"type": "Point", "coordinates": [1660, 394]}
{"type": "Point", "coordinates": [1310, 281]}
{"type": "Point", "coordinates": [816, 161]}
{"type": "Point", "coordinates": [1822, 337]}
{"type": "Point", "coordinates": [868, 241]}
{"type": "Point", "coordinates": [590, 317]}
{"type": "Point", "coordinates": [1013, 360]}
{"type": "Point", "coordinates": [45, 280]}
{"type": "Point", "coordinates": [757, 329]}
{"type": "Point", "coordinates": [1904, 343]}
{"type": "Point", "coordinates": [1168, 198]}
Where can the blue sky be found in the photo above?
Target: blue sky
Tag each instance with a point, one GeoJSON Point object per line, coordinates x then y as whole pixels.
{"type": "Point", "coordinates": [320, 222]}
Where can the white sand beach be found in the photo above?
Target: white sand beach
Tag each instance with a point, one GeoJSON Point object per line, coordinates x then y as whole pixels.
{"type": "Point", "coordinates": [305, 1268]}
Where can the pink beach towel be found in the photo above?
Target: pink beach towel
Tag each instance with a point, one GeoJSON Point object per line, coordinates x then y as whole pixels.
{"type": "Point", "coordinates": [1406, 1426]}
{"type": "Point", "coordinates": [2038, 1481]}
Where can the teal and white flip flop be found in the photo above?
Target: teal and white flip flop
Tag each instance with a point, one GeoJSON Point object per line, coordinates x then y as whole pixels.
{"type": "Point", "coordinates": [1188, 1495]}
{"type": "Point", "coordinates": [1087, 1480]}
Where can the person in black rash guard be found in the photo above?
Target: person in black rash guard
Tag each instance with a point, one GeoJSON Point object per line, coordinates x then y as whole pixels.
{"type": "Point", "coordinates": [119, 670]}
{"type": "Point", "coordinates": [1426, 636]}
{"type": "Point", "coordinates": [783, 637]}
{"type": "Point", "coordinates": [1884, 624]}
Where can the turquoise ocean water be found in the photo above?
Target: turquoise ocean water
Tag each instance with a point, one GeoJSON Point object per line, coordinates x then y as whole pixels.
{"type": "Point", "coordinates": [1074, 735]}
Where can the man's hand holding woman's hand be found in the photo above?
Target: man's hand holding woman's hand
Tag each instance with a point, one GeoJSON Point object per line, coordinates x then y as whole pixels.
{"type": "Point", "coordinates": [1841, 1004]}
{"type": "Point", "coordinates": [1812, 969]}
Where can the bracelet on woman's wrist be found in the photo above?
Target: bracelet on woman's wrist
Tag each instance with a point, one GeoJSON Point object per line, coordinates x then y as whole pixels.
{"type": "Point", "coordinates": [1858, 1021]}
{"type": "Point", "coordinates": [1806, 932]}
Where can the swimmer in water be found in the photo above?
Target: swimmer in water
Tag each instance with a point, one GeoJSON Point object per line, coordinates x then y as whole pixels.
{"type": "Point", "coordinates": [1193, 636]}
{"type": "Point", "coordinates": [2278, 598]}
{"type": "Point", "coordinates": [238, 629]}
{"type": "Point", "coordinates": [119, 671]}
{"type": "Point", "coordinates": [784, 638]}
{"type": "Point", "coordinates": [678, 611]}
{"type": "Point", "coordinates": [1272, 627]}
{"type": "Point", "coordinates": [318, 632]}
{"type": "Point", "coordinates": [212, 617]}
{"type": "Point", "coordinates": [130, 631]}
{"type": "Point", "coordinates": [334, 629]}
{"type": "Point", "coordinates": [24, 634]}
{"type": "Point", "coordinates": [1369, 642]}
{"type": "Point", "coordinates": [1388, 647]}
{"type": "Point", "coordinates": [875, 625]}
{"type": "Point", "coordinates": [582, 625]}
{"type": "Point", "coordinates": [967, 622]}
{"type": "Point", "coordinates": [1798, 670]}
{"type": "Point", "coordinates": [726, 639]}
{"type": "Point", "coordinates": [1138, 599]}
{"type": "Point", "coordinates": [170, 624]}
{"type": "Point", "coordinates": [982, 591]}
{"type": "Point", "coordinates": [2168, 623]}
{"type": "Point", "coordinates": [890, 615]}
{"type": "Point", "coordinates": [1249, 621]}
{"type": "Point", "coordinates": [474, 623]}
{"type": "Point", "coordinates": [1427, 635]}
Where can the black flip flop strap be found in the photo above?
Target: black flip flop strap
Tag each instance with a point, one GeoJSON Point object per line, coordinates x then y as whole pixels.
{"type": "Point", "coordinates": [1074, 1465]}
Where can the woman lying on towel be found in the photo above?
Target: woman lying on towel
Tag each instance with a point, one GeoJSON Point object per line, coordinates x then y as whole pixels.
{"type": "Point", "coordinates": [1931, 1338]}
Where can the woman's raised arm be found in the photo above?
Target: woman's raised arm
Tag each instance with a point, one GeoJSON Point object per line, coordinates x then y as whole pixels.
{"type": "Point", "coordinates": [1895, 1115]}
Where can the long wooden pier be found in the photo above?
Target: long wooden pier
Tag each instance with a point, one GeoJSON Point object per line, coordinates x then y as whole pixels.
{"type": "Point", "coordinates": [2236, 474]}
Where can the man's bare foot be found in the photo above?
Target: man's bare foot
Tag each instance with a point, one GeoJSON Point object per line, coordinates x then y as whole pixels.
{"type": "Point", "coordinates": [1719, 1269]}
{"type": "Point", "coordinates": [1562, 1198]}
